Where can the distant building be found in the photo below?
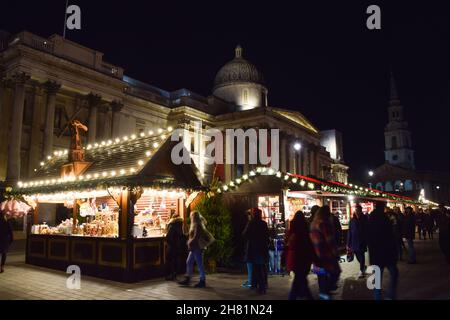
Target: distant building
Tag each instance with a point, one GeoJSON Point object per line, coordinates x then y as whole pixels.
{"type": "Point", "coordinates": [399, 173]}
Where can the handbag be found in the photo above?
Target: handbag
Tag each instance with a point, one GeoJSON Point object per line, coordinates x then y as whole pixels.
{"type": "Point", "coordinates": [206, 239]}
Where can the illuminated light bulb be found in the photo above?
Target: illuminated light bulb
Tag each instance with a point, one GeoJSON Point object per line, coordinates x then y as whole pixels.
{"type": "Point", "coordinates": [55, 153]}
{"type": "Point", "coordinates": [245, 177]}
{"type": "Point", "coordinates": [133, 136]}
{"type": "Point", "coordinates": [142, 134]}
{"type": "Point", "coordinates": [31, 184]}
{"type": "Point", "coordinates": [47, 181]}
{"type": "Point", "coordinates": [302, 183]}
{"type": "Point", "coordinates": [49, 157]}
{"type": "Point", "coordinates": [42, 164]}
{"type": "Point", "coordinates": [155, 145]}
{"type": "Point", "coordinates": [271, 171]}
{"type": "Point", "coordinates": [132, 170]}
{"type": "Point", "coordinates": [150, 132]}
{"type": "Point", "coordinates": [148, 153]}
{"type": "Point", "coordinates": [96, 145]}
{"type": "Point", "coordinates": [35, 170]}
{"type": "Point", "coordinates": [170, 129]}
{"type": "Point", "coordinates": [160, 130]}
{"type": "Point", "coordinates": [103, 143]}
{"type": "Point", "coordinates": [232, 184]}
{"type": "Point", "coordinates": [125, 138]}
{"type": "Point", "coordinates": [140, 162]}
{"type": "Point", "coordinates": [163, 136]}
{"type": "Point", "coordinates": [122, 171]}
{"type": "Point", "coordinates": [252, 173]}
{"type": "Point", "coordinates": [219, 191]}
{"type": "Point", "coordinates": [41, 182]}
{"type": "Point", "coordinates": [53, 180]}
{"type": "Point", "coordinates": [26, 185]}
{"type": "Point", "coordinates": [80, 178]}
{"type": "Point", "coordinates": [88, 176]}
{"type": "Point", "coordinates": [109, 142]}
{"type": "Point", "coordinates": [286, 177]}
{"type": "Point", "coordinates": [104, 174]}
{"type": "Point", "coordinates": [96, 175]}
{"type": "Point", "coordinates": [225, 188]}
{"type": "Point", "coordinates": [117, 140]}
{"type": "Point", "coordinates": [294, 180]}
{"type": "Point", "coordinates": [278, 174]}
{"type": "Point", "coordinates": [238, 181]}
{"type": "Point", "coordinates": [20, 184]}
{"type": "Point", "coordinates": [258, 170]}
{"type": "Point", "coordinates": [89, 147]}
{"type": "Point", "coordinates": [66, 151]}
{"type": "Point", "coordinates": [113, 173]}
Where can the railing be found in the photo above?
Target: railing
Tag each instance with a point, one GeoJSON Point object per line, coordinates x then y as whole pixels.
{"type": "Point", "coordinates": [33, 41]}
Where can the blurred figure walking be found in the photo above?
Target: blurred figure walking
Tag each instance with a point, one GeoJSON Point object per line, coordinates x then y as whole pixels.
{"type": "Point", "coordinates": [357, 239]}
{"type": "Point", "coordinates": [408, 232]}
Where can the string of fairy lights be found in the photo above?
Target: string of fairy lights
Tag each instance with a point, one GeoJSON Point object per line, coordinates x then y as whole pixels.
{"type": "Point", "coordinates": [308, 184]}
{"type": "Point", "coordinates": [160, 133]}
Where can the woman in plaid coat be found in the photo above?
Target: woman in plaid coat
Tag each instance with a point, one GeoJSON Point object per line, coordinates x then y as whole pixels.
{"type": "Point", "coordinates": [325, 247]}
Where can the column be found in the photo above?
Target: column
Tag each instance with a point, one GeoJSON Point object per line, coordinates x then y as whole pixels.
{"type": "Point", "coordinates": [94, 101]}
{"type": "Point", "coordinates": [13, 170]}
{"type": "Point", "coordinates": [305, 154]}
{"type": "Point", "coordinates": [283, 154]}
{"type": "Point", "coordinates": [51, 88]}
{"type": "Point", "coordinates": [312, 162]}
{"type": "Point", "coordinates": [116, 107]}
{"type": "Point", "coordinates": [291, 156]}
{"type": "Point", "coordinates": [35, 155]}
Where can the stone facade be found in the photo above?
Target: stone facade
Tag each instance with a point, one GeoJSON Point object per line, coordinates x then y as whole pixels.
{"type": "Point", "coordinates": [46, 83]}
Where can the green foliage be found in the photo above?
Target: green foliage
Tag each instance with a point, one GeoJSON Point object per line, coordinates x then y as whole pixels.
{"type": "Point", "coordinates": [218, 218]}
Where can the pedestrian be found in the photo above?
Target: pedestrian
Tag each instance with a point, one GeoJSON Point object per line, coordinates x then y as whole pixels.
{"type": "Point", "coordinates": [299, 256]}
{"type": "Point", "coordinates": [356, 239]}
{"type": "Point", "coordinates": [6, 238]}
{"type": "Point", "coordinates": [443, 222]}
{"type": "Point", "coordinates": [272, 249]}
{"type": "Point", "coordinates": [176, 241]}
{"type": "Point", "coordinates": [383, 248]}
{"type": "Point", "coordinates": [394, 218]}
{"type": "Point", "coordinates": [313, 212]}
{"type": "Point", "coordinates": [324, 242]}
{"type": "Point", "coordinates": [257, 235]}
{"type": "Point", "coordinates": [248, 283]}
{"type": "Point", "coordinates": [420, 223]}
{"type": "Point", "coordinates": [337, 228]}
{"type": "Point", "coordinates": [429, 224]}
{"type": "Point", "coordinates": [408, 232]}
{"type": "Point", "coordinates": [199, 239]}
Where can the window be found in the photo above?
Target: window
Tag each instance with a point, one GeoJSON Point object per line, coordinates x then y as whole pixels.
{"type": "Point", "coordinates": [379, 186]}
{"type": "Point", "coordinates": [409, 185]}
{"type": "Point", "coordinates": [395, 157]}
{"type": "Point", "coordinates": [245, 96]}
{"type": "Point", "coordinates": [59, 113]}
{"type": "Point", "coordinates": [388, 186]}
{"type": "Point", "coordinates": [394, 142]}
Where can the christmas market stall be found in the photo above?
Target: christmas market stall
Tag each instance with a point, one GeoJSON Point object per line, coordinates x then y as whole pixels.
{"type": "Point", "coordinates": [279, 195]}
{"type": "Point", "coordinates": [105, 207]}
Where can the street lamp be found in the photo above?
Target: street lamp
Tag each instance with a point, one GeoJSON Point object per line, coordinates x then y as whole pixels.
{"type": "Point", "coordinates": [297, 146]}
{"type": "Point", "coordinates": [371, 174]}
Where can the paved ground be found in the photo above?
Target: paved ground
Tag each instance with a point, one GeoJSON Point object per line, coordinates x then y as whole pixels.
{"type": "Point", "coordinates": [429, 279]}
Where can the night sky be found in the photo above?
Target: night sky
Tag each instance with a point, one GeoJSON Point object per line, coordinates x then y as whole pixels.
{"type": "Point", "coordinates": [317, 57]}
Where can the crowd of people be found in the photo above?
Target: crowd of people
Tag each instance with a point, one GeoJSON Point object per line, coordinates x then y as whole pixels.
{"type": "Point", "coordinates": [313, 245]}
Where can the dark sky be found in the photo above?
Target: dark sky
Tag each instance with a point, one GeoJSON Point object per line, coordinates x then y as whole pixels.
{"type": "Point", "coordinates": [317, 57]}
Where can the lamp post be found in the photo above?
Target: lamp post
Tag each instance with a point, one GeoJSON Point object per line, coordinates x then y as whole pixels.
{"type": "Point", "coordinates": [371, 174]}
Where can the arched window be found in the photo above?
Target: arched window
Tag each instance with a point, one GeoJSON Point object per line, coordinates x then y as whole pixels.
{"type": "Point", "coordinates": [245, 96]}
{"type": "Point", "coordinates": [394, 142]}
{"type": "Point", "coordinates": [379, 186]}
{"type": "Point", "coordinates": [388, 186]}
{"type": "Point", "coordinates": [409, 185]}
{"type": "Point", "coordinates": [398, 185]}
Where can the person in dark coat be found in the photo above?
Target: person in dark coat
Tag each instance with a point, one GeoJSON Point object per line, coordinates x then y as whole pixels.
{"type": "Point", "coordinates": [420, 223]}
{"type": "Point", "coordinates": [383, 247]}
{"type": "Point", "coordinates": [443, 222]}
{"type": "Point", "coordinates": [176, 242]}
{"type": "Point", "coordinates": [357, 238]}
{"type": "Point", "coordinates": [408, 232]}
{"type": "Point", "coordinates": [6, 238]}
{"type": "Point", "coordinates": [248, 283]}
{"type": "Point", "coordinates": [257, 235]}
{"type": "Point", "coordinates": [429, 224]}
{"type": "Point", "coordinates": [337, 227]}
{"type": "Point", "coordinates": [299, 256]}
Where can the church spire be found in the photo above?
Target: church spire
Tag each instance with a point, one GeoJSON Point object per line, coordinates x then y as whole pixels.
{"type": "Point", "coordinates": [238, 51]}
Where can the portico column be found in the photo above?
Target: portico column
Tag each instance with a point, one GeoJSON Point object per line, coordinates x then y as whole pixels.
{"type": "Point", "coordinates": [291, 155]}
{"type": "Point", "coordinates": [94, 101]}
{"type": "Point", "coordinates": [51, 88]}
{"type": "Point", "coordinates": [283, 154]}
{"type": "Point", "coordinates": [15, 137]}
{"type": "Point", "coordinates": [116, 107]}
{"type": "Point", "coordinates": [305, 160]}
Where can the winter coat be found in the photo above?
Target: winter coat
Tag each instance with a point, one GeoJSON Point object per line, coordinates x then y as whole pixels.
{"type": "Point", "coordinates": [299, 252]}
{"type": "Point", "coordinates": [408, 226]}
{"type": "Point", "coordinates": [357, 234]}
{"type": "Point", "coordinates": [257, 236]}
{"type": "Point", "coordinates": [324, 243]}
{"type": "Point", "coordinates": [381, 240]}
{"type": "Point", "coordinates": [175, 237]}
{"type": "Point", "coordinates": [6, 235]}
{"type": "Point", "coordinates": [337, 229]}
{"type": "Point", "coordinates": [428, 222]}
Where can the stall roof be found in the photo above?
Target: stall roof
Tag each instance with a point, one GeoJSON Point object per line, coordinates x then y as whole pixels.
{"type": "Point", "coordinates": [143, 160]}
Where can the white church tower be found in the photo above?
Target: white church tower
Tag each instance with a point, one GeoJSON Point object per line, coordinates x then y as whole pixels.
{"type": "Point", "coordinates": [398, 146]}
